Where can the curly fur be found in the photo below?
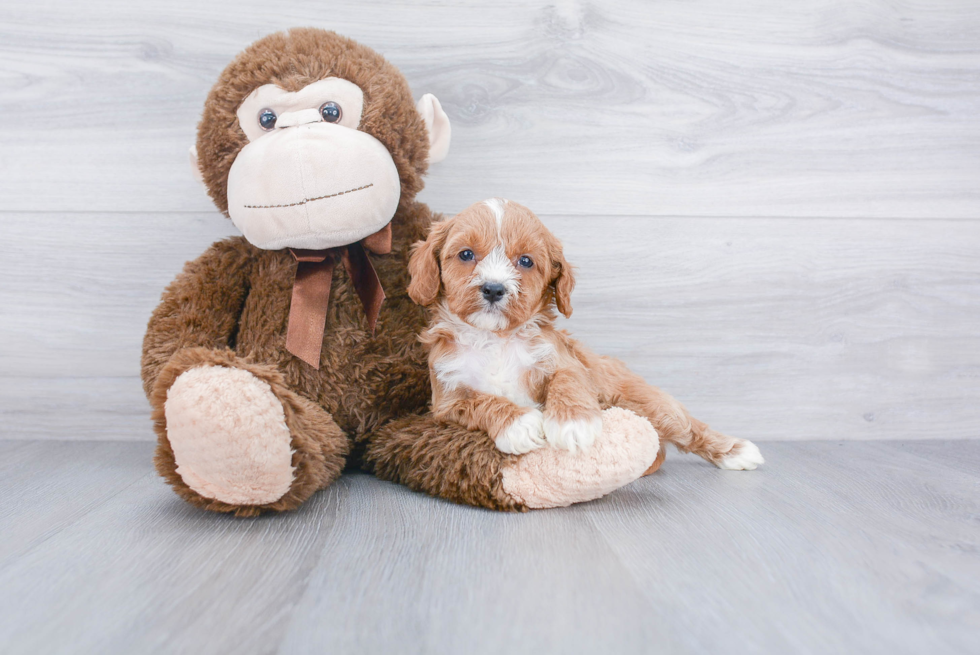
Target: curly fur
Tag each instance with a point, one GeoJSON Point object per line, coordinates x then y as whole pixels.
{"type": "Point", "coordinates": [500, 378]}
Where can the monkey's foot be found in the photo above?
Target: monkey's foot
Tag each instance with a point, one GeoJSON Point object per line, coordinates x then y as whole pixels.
{"type": "Point", "coordinates": [229, 436]}
{"type": "Point", "coordinates": [552, 477]}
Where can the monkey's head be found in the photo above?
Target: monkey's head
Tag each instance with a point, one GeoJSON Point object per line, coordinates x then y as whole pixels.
{"type": "Point", "coordinates": [310, 140]}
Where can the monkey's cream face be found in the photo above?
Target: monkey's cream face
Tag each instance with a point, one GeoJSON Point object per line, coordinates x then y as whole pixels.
{"type": "Point", "coordinates": [308, 178]}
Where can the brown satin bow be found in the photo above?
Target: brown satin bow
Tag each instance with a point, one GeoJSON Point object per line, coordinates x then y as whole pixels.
{"type": "Point", "coordinates": [311, 291]}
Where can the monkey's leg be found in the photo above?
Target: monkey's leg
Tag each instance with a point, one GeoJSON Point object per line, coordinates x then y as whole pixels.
{"type": "Point", "coordinates": [232, 437]}
{"type": "Point", "coordinates": [623, 388]}
{"type": "Point", "coordinates": [449, 461]}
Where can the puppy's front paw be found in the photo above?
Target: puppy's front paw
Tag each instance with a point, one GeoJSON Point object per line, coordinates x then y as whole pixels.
{"type": "Point", "coordinates": [523, 435]}
{"type": "Point", "coordinates": [572, 435]}
{"type": "Point", "coordinates": [744, 456]}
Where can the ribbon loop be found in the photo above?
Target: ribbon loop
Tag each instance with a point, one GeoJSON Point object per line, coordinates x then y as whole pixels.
{"type": "Point", "coordinates": [308, 307]}
{"type": "Point", "coordinates": [311, 291]}
{"type": "Point", "coordinates": [366, 282]}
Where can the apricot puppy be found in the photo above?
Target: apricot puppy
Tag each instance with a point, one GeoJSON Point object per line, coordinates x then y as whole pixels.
{"type": "Point", "coordinates": [492, 278]}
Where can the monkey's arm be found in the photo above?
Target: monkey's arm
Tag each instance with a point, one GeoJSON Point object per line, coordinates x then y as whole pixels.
{"type": "Point", "coordinates": [445, 459]}
{"type": "Point", "coordinates": [200, 308]}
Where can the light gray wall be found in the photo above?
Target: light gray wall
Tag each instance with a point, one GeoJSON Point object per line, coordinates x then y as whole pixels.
{"type": "Point", "coordinates": [773, 206]}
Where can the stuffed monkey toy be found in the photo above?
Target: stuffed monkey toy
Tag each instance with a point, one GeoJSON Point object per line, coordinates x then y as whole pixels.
{"type": "Point", "coordinates": [279, 357]}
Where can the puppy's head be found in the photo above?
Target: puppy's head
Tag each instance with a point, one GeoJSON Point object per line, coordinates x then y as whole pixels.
{"type": "Point", "coordinates": [495, 265]}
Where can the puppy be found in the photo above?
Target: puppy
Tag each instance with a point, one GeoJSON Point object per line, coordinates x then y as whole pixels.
{"type": "Point", "coordinates": [492, 278]}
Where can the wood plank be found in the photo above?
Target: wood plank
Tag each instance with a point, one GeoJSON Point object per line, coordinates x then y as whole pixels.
{"type": "Point", "coordinates": [146, 572]}
{"type": "Point", "coordinates": [943, 453]}
{"type": "Point", "coordinates": [75, 408]}
{"type": "Point", "coordinates": [630, 107]}
{"type": "Point", "coordinates": [845, 547]}
{"type": "Point", "coordinates": [11, 446]}
{"type": "Point", "coordinates": [441, 578]}
{"type": "Point", "coordinates": [791, 330]}
{"type": "Point", "coordinates": [48, 486]}
{"type": "Point", "coordinates": [766, 328]}
{"type": "Point", "coordinates": [79, 288]}
{"type": "Point", "coordinates": [830, 547]}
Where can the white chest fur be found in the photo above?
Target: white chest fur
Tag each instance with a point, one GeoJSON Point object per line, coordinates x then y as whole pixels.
{"type": "Point", "coordinates": [494, 364]}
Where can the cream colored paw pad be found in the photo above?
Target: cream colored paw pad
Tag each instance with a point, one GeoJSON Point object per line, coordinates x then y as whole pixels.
{"type": "Point", "coordinates": [229, 436]}
{"type": "Point", "coordinates": [553, 477]}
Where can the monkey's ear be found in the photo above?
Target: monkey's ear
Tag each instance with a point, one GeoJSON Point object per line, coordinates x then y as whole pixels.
{"type": "Point", "coordinates": [196, 166]}
{"type": "Point", "coordinates": [423, 266]}
{"type": "Point", "coordinates": [437, 125]}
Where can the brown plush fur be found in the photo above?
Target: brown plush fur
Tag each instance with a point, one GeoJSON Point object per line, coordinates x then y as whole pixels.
{"type": "Point", "coordinates": [230, 307]}
{"type": "Point", "coordinates": [441, 459]}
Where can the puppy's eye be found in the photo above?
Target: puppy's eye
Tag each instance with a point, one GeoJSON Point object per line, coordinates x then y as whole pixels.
{"type": "Point", "coordinates": [267, 119]}
{"type": "Point", "coordinates": [330, 111]}
{"type": "Point", "coordinates": [525, 261]}
{"type": "Point", "coordinates": [466, 255]}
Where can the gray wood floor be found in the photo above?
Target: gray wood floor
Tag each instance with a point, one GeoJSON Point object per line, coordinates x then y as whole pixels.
{"type": "Point", "coordinates": [832, 547]}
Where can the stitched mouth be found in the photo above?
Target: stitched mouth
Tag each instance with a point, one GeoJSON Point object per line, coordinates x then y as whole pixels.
{"type": "Point", "coordinates": [308, 200]}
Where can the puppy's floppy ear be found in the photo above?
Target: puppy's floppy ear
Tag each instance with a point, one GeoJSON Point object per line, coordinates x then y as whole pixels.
{"type": "Point", "coordinates": [423, 266]}
{"type": "Point", "coordinates": [563, 278]}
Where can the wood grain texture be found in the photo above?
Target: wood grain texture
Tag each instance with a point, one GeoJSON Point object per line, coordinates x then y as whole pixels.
{"type": "Point", "coordinates": [965, 460]}
{"type": "Point", "coordinates": [830, 547]}
{"type": "Point", "coordinates": [853, 535]}
{"type": "Point", "coordinates": [708, 108]}
{"type": "Point", "coordinates": [146, 572]}
{"type": "Point", "coordinates": [791, 330]}
{"type": "Point", "coordinates": [766, 328]}
{"type": "Point", "coordinates": [46, 488]}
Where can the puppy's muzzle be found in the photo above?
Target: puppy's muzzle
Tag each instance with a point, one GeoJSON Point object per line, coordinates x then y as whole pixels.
{"type": "Point", "coordinates": [493, 292]}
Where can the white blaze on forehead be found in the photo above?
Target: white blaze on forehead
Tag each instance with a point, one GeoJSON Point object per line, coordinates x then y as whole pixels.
{"type": "Point", "coordinates": [495, 267]}
{"type": "Point", "coordinates": [496, 206]}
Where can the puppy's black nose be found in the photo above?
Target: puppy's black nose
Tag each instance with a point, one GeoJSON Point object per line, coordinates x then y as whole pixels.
{"type": "Point", "coordinates": [492, 291]}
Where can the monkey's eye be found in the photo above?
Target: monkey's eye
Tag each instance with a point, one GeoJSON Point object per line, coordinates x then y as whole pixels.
{"type": "Point", "coordinates": [331, 112]}
{"type": "Point", "coordinates": [525, 261]}
{"type": "Point", "coordinates": [466, 255]}
{"type": "Point", "coordinates": [267, 119]}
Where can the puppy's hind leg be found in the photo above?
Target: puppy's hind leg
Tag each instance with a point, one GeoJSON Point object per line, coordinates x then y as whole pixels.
{"type": "Point", "coordinates": [691, 435]}
{"type": "Point", "coordinates": [623, 388]}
